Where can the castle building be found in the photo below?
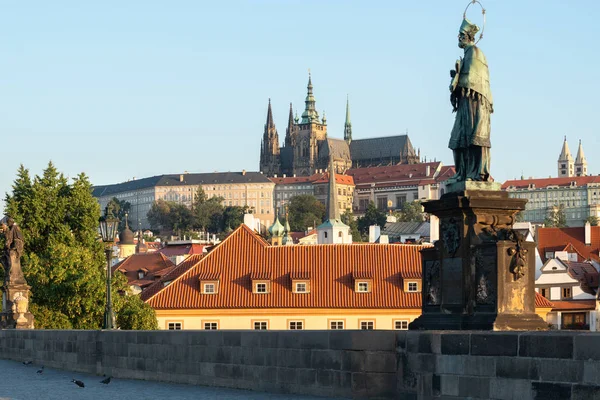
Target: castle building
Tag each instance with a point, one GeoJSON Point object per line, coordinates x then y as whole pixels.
{"type": "Point", "coordinates": [307, 148]}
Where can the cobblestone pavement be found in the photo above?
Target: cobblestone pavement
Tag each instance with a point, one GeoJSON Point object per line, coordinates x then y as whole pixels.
{"type": "Point", "coordinates": [20, 382]}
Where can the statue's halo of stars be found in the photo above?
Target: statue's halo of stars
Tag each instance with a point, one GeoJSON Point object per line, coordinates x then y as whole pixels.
{"type": "Point", "coordinates": [482, 13]}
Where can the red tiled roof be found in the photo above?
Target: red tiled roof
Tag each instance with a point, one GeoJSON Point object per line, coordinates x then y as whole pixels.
{"type": "Point", "coordinates": [585, 273]}
{"type": "Point", "coordinates": [572, 305]}
{"type": "Point", "coordinates": [558, 239]}
{"type": "Point", "coordinates": [541, 301]}
{"type": "Point", "coordinates": [149, 263]}
{"type": "Point", "coordinates": [331, 268]}
{"type": "Point", "coordinates": [175, 272]}
{"type": "Point", "coordinates": [399, 174]}
{"type": "Point", "coordinates": [339, 178]}
{"type": "Point", "coordinates": [544, 182]}
{"type": "Point", "coordinates": [182, 249]}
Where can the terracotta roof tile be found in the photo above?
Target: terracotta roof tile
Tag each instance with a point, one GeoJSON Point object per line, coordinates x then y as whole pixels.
{"type": "Point", "coordinates": [557, 239]}
{"type": "Point", "coordinates": [542, 183]}
{"type": "Point", "coordinates": [399, 174]}
{"type": "Point", "coordinates": [209, 276]}
{"type": "Point", "coordinates": [149, 263]}
{"type": "Point", "coordinates": [175, 272]}
{"type": "Point", "coordinates": [182, 249]}
{"type": "Point", "coordinates": [571, 305]}
{"type": "Point", "coordinates": [330, 268]}
{"type": "Point", "coordinates": [299, 275]}
{"type": "Point", "coordinates": [541, 301]}
{"type": "Point", "coordinates": [322, 177]}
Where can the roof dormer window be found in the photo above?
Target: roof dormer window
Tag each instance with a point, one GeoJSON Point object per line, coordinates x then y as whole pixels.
{"type": "Point", "coordinates": [209, 282]}
{"type": "Point", "coordinates": [300, 282]}
{"type": "Point", "coordinates": [261, 282]}
{"type": "Point", "coordinates": [363, 281]}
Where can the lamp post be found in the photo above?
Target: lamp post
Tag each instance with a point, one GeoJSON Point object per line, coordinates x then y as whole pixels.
{"type": "Point", "coordinates": [108, 230]}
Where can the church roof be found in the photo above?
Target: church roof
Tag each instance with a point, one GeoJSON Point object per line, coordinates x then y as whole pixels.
{"type": "Point", "coordinates": [381, 148]}
{"type": "Point", "coordinates": [337, 148]}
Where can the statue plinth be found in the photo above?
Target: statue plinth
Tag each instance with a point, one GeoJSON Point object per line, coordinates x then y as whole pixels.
{"type": "Point", "coordinates": [15, 307]}
{"type": "Point", "coordinates": [469, 186]}
{"type": "Point", "coordinates": [480, 274]}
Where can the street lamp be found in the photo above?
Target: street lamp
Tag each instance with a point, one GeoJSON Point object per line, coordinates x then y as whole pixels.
{"type": "Point", "coordinates": [108, 230]}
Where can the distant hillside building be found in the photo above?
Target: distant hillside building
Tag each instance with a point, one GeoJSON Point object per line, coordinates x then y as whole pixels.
{"type": "Point", "coordinates": [580, 196]}
{"type": "Point", "coordinates": [391, 186]}
{"type": "Point", "coordinates": [307, 148]}
{"type": "Point", "coordinates": [252, 189]}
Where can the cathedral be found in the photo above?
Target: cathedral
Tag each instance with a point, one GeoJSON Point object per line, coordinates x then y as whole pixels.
{"type": "Point", "coordinates": [307, 148]}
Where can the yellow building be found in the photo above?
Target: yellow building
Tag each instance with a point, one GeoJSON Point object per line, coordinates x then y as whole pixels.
{"type": "Point", "coordinates": [245, 283]}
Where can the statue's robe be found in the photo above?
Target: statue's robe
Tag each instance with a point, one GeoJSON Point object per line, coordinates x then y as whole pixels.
{"type": "Point", "coordinates": [472, 97]}
{"type": "Point", "coordinates": [12, 256]}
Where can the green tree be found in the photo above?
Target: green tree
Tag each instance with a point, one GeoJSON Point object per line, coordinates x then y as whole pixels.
{"type": "Point", "coordinates": [304, 211]}
{"type": "Point", "coordinates": [118, 209]}
{"type": "Point", "coordinates": [233, 216]}
{"type": "Point", "coordinates": [158, 215]}
{"type": "Point", "coordinates": [373, 216]}
{"type": "Point", "coordinates": [592, 219]}
{"type": "Point", "coordinates": [207, 212]}
{"type": "Point", "coordinates": [63, 259]}
{"type": "Point", "coordinates": [136, 315]}
{"type": "Point", "coordinates": [557, 217]}
{"type": "Point", "coordinates": [348, 219]}
{"type": "Point", "coordinates": [411, 212]}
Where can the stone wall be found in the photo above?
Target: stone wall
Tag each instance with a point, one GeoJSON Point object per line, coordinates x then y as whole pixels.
{"type": "Point", "coordinates": [359, 364]}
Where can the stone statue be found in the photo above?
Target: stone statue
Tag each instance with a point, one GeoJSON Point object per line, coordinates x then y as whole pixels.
{"type": "Point", "coordinates": [13, 250]}
{"type": "Point", "coordinates": [471, 99]}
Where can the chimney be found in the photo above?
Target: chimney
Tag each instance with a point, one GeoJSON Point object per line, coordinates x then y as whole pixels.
{"type": "Point", "coordinates": [249, 221]}
{"type": "Point", "coordinates": [284, 175]}
{"type": "Point", "coordinates": [244, 173]}
{"type": "Point", "coordinates": [427, 170]}
{"type": "Point", "coordinates": [588, 234]}
{"type": "Point", "coordinates": [294, 175]}
{"type": "Point", "coordinates": [434, 229]}
{"type": "Point", "coordinates": [180, 178]}
{"type": "Point", "coordinates": [374, 233]}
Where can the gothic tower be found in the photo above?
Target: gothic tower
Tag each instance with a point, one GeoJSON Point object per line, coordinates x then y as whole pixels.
{"type": "Point", "coordinates": [291, 130]}
{"type": "Point", "coordinates": [269, 147]}
{"type": "Point", "coordinates": [312, 131]}
{"type": "Point", "coordinates": [348, 124]}
{"type": "Point", "coordinates": [580, 162]}
{"type": "Point", "coordinates": [565, 161]}
{"type": "Point", "coordinates": [333, 230]}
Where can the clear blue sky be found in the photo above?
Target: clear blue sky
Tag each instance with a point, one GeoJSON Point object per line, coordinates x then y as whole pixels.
{"type": "Point", "coordinates": [122, 89]}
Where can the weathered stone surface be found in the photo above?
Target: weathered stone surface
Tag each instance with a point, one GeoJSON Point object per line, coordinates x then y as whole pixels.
{"type": "Point", "coordinates": [551, 391]}
{"type": "Point", "coordinates": [585, 392]}
{"type": "Point", "coordinates": [494, 344]}
{"type": "Point", "coordinates": [586, 347]}
{"type": "Point", "coordinates": [455, 343]}
{"type": "Point", "coordinates": [510, 389]}
{"type": "Point", "coordinates": [551, 345]}
{"type": "Point", "coordinates": [517, 368]}
{"type": "Point", "coordinates": [478, 387]}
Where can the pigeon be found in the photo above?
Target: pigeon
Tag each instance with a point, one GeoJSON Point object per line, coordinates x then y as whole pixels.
{"type": "Point", "coordinates": [106, 381]}
{"type": "Point", "coordinates": [78, 383]}
{"type": "Point", "coordinates": [41, 370]}
{"type": "Point", "coordinates": [27, 363]}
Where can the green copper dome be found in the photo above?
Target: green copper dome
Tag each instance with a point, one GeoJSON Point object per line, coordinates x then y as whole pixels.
{"type": "Point", "coordinates": [276, 229]}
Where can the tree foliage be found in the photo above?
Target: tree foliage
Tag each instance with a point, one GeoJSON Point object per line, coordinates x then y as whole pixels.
{"type": "Point", "coordinates": [208, 213]}
{"type": "Point", "coordinates": [170, 215]}
{"type": "Point", "coordinates": [136, 315]}
{"type": "Point", "coordinates": [304, 211]}
{"type": "Point", "coordinates": [593, 220]}
{"type": "Point", "coordinates": [373, 216]}
{"type": "Point", "coordinates": [348, 219]}
{"type": "Point", "coordinates": [411, 212]}
{"type": "Point", "coordinates": [63, 260]}
{"type": "Point", "coordinates": [117, 209]}
{"type": "Point", "coordinates": [557, 217]}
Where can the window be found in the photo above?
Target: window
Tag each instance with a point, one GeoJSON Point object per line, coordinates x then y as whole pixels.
{"type": "Point", "coordinates": [362, 204]}
{"type": "Point", "coordinates": [261, 288]}
{"type": "Point", "coordinates": [401, 324]}
{"type": "Point", "coordinates": [211, 326]}
{"type": "Point", "coordinates": [400, 200]}
{"type": "Point", "coordinates": [367, 325]}
{"type": "Point", "coordinates": [566, 293]}
{"type": "Point", "coordinates": [174, 326]}
{"type": "Point", "coordinates": [209, 288]}
{"type": "Point", "coordinates": [140, 274]}
{"type": "Point", "coordinates": [340, 234]}
{"type": "Point", "coordinates": [413, 286]}
{"type": "Point", "coordinates": [362, 287]}
{"type": "Point", "coordinates": [261, 325]}
{"type": "Point", "coordinates": [336, 325]}
{"type": "Point", "coordinates": [296, 325]}
{"type": "Point", "coordinates": [382, 203]}
{"type": "Point", "coordinates": [325, 235]}
{"type": "Point", "coordinates": [301, 287]}
{"type": "Point", "coordinates": [545, 292]}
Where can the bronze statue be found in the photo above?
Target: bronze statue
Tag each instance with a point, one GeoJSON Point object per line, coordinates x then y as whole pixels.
{"type": "Point", "coordinates": [471, 99]}
{"type": "Point", "coordinates": [13, 250]}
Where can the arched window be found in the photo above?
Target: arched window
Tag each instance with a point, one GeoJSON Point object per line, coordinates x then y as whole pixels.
{"type": "Point", "coordinates": [340, 234]}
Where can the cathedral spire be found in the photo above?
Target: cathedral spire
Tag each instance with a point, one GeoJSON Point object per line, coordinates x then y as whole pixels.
{"type": "Point", "coordinates": [348, 124]}
{"type": "Point", "coordinates": [270, 123]}
{"type": "Point", "coordinates": [580, 162]}
{"type": "Point", "coordinates": [565, 161]}
{"type": "Point", "coordinates": [289, 132]}
{"type": "Point", "coordinates": [310, 113]}
{"type": "Point", "coordinates": [565, 153]}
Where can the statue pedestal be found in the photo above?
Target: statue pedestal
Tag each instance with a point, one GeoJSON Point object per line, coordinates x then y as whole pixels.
{"type": "Point", "coordinates": [479, 275]}
{"type": "Point", "coordinates": [15, 307]}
